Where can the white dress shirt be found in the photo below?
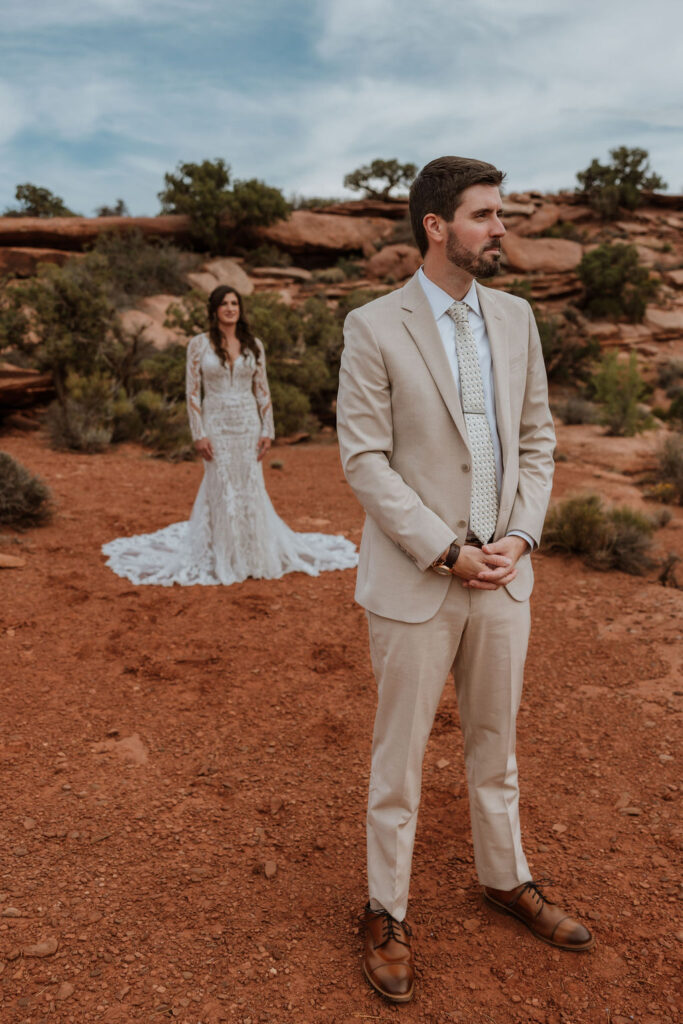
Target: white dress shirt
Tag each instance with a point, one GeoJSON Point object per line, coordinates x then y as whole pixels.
{"type": "Point", "coordinates": [440, 301]}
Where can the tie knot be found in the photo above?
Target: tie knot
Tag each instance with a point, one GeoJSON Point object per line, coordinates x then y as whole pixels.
{"type": "Point", "coordinates": [458, 312]}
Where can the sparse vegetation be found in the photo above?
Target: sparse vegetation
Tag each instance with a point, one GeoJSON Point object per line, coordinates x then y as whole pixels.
{"type": "Point", "coordinates": [618, 388]}
{"type": "Point", "coordinates": [24, 499]}
{"type": "Point", "coordinates": [605, 538]}
{"type": "Point", "coordinates": [567, 354]}
{"type": "Point", "coordinates": [615, 284]}
{"type": "Point", "coordinates": [619, 184]}
{"type": "Point", "coordinates": [377, 179]}
{"type": "Point", "coordinates": [576, 410]}
{"type": "Point", "coordinates": [37, 202]}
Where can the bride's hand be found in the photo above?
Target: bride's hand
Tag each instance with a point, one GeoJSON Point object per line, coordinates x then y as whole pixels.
{"type": "Point", "coordinates": [262, 447]}
{"type": "Point", "coordinates": [204, 448]}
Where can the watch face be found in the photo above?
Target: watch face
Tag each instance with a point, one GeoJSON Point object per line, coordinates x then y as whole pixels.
{"type": "Point", "coordinates": [442, 569]}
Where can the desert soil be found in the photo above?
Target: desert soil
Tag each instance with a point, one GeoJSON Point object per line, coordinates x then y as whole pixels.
{"type": "Point", "coordinates": [185, 773]}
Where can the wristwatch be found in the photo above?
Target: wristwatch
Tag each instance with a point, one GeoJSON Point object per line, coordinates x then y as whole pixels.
{"type": "Point", "coordinates": [444, 566]}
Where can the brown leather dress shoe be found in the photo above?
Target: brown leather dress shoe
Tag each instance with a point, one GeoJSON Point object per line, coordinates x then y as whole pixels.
{"type": "Point", "coordinates": [388, 960]}
{"type": "Point", "coordinates": [542, 917]}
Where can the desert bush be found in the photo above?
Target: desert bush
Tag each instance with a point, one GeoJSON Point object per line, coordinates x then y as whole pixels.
{"type": "Point", "coordinates": [618, 388]}
{"type": "Point", "coordinates": [38, 202]}
{"type": "Point", "coordinates": [605, 538]}
{"type": "Point", "coordinates": [566, 353]}
{"type": "Point", "coordinates": [615, 283]}
{"type": "Point", "coordinates": [329, 275]}
{"type": "Point", "coordinates": [378, 178]}
{"type": "Point", "coordinates": [351, 269]}
{"type": "Point", "coordinates": [564, 229]}
{"type": "Point", "coordinates": [24, 499]}
{"type": "Point", "coordinates": [670, 376]}
{"type": "Point", "coordinates": [291, 408]}
{"type": "Point", "coordinates": [607, 187]}
{"type": "Point", "coordinates": [267, 256]}
{"type": "Point", "coordinates": [576, 410]}
{"type": "Point", "coordinates": [669, 472]}
{"type": "Point", "coordinates": [84, 419]}
{"type": "Point", "coordinates": [219, 213]}
{"type": "Point", "coordinates": [119, 209]}
{"type": "Point", "coordinates": [136, 267]}
{"type": "Point", "coordinates": [189, 315]}
{"type": "Point", "coordinates": [156, 421]}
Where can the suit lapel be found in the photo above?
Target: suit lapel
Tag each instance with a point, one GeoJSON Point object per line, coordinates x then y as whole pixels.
{"type": "Point", "coordinates": [500, 357]}
{"type": "Point", "coordinates": [421, 325]}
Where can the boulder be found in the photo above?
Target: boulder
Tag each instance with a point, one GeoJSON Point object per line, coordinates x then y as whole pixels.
{"type": "Point", "coordinates": [23, 261]}
{"type": "Point", "coordinates": [675, 277]}
{"type": "Point", "coordinates": [293, 273]}
{"type": "Point", "coordinates": [547, 254]}
{"type": "Point", "coordinates": [229, 272]}
{"type": "Point", "coordinates": [543, 217]}
{"type": "Point", "coordinates": [575, 213]}
{"type": "Point", "coordinates": [78, 232]}
{"type": "Point", "coordinates": [202, 281]}
{"type": "Point", "coordinates": [327, 234]}
{"type": "Point", "coordinates": [134, 320]}
{"type": "Point", "coordinates": [664, 323]}
{"type": "Point", "coordinates": [516, 209]}
{"type": "Point", "coordinates": [397, 261]}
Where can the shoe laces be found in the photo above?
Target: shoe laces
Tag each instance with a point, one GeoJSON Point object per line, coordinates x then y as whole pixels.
{"type": "Point", "coordinates": [536, 889]}
{"type": "Point", "coordinates": [389, 928]}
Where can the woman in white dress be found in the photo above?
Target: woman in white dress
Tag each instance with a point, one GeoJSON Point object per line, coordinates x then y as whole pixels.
{"type": "Point", "coordinates": [234, 531]}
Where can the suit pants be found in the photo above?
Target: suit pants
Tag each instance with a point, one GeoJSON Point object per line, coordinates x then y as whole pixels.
{"type": "Point", "coordinates": [482, 636]}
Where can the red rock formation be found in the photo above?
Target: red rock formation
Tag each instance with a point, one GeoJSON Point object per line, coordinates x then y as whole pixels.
{"type": "Point", "coordinates": [553, 255]}
{"type": "Point", "coordinates": [327, 234]}
{"type": "Point", "coordinates": [23, 262]}
{"type": "Point", "coordinates": [397, 261]}
{"type": "Point", "coordinates": [78, 232]}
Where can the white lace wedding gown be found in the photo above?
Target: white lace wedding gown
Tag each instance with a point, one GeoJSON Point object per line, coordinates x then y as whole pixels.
{"type": "Point", "coordinates": [234, 531]}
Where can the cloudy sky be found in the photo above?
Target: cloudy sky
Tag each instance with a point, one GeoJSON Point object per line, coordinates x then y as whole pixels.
{"type": "Point", "coordinates": [98, 99]}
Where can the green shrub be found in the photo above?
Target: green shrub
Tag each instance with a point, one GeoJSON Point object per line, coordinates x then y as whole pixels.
{"type": "Point", "coordinates": [669, 473]}
{"type": "Point", "coordinates": [351, 269]}
{"type": "Point", "coordinates": [137, 267]}
{"type": "Point", "coordinates": [566, 353]}
{"type": "Point", "coordinates": [607, 187]}
{"type": "Point", "coordinates": [267, 256]}
{"type": "Point", "coordinates": [190, 315]}
{"type": "Point", "coordinates": [577, 410]}
{"type": "Point", "coordinates": [614, 282]}
{"type": "Point", "coordinates": [329, 275]}
{"type": "Point", "coordinates": [220, 214]}
{"type": "Point", "coordinates": [156, 421]}
{"type": "Point", "coordinates": [606, 538]}
{"type": "Point", "coordinates": [38, 202]}
{"type": "Point", "coordinates": [291, 408]}
{"type": "Point", "coordinates": [564, 229]}
{"type": "Point", "coordinates": [84, 420]}
{"type": "Point", "coordinates": [618, 388]}
{"type": "Point", "coordinates": [670, 376]}
{"type": "Point", "coordinates": [24, 499]}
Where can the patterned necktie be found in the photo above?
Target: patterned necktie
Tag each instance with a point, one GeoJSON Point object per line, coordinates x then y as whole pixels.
{"type": "Point", "coordinates": [484, 499]}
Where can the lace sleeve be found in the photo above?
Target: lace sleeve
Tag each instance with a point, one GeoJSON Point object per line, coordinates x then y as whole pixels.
{"type": "Point", "coordinates": [193, 386]}
{"type": "Point", "coordinates": [262, 393]}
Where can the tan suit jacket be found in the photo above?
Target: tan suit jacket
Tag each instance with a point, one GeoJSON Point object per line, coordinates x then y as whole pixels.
{"type": "Point", "coordinates": [404, 448]}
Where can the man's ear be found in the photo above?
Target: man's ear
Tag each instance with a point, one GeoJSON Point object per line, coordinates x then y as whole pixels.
{"type": "Point", "coordinates": [434, 227]}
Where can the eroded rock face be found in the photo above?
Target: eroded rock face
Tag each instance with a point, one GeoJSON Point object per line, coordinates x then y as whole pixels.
{"type": "Point", "coordinates": [23, 261]}
{"type": "Point", "coordinates": [77, 232]}
{"type": "Point", "coordinates": [553, 255]}
{"type": "Point", "coordinates": [397, 261]}
{"type": "Point", "coordinates": [325, 234]}
{"type": "Point", "coordinates": [226, 271]}
{"type": "Point", "coordinates": [543, 217]}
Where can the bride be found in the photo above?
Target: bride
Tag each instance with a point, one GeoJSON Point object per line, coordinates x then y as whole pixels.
{"type": "Point", "coordinates": [233, 531]}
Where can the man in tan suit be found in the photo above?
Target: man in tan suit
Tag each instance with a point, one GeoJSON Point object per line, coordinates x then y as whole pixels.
{"type": "Point", "coordinates": [447, 441]}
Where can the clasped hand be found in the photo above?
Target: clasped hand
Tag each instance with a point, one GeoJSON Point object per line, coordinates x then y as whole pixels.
{"type": "Point", "coordinates": [204, 448]}
{"type": "Point", "coordinates": [490, 567]}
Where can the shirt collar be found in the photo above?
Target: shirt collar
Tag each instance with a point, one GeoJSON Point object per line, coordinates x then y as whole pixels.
{"type": "Point", "coordinates": [439, 300]}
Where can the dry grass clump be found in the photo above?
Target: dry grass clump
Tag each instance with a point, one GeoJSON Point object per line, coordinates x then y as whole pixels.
{"type": "Point", "coordinates": [605, 538]}
{"type": "Point", "coordinates": [669, 473]}
{"type": "Point", "coordinates": [24, 499]}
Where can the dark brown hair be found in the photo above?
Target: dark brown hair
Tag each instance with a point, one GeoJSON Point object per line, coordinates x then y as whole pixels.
{"type": "Point", "coordinates": [242, 328]}
{"type": "Point", "coordinates": [439, 186]}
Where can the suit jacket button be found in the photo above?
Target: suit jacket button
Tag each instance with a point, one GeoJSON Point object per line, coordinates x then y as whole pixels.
{"type": "Point", "coordinates": [465, 467]}
{"type": "Point", "coordinates": [461, 524]}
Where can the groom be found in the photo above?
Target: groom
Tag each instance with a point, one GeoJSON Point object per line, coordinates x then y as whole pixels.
{"type": "Point", "coordinates": [447, 441]}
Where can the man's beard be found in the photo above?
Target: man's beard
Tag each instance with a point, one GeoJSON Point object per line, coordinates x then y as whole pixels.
{"type": "Point", "coordinates": [478, 265]}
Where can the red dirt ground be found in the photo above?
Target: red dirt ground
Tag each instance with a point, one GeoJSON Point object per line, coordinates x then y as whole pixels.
{"type": "Point", "coordinates": [185, 771]}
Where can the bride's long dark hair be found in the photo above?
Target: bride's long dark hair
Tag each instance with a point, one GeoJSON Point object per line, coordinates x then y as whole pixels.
{"type": "Point", "coordinates": [242, 330]}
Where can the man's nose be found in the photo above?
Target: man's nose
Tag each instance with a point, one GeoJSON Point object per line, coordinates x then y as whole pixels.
{"type": "Point", "coordinates": [498, 229]}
